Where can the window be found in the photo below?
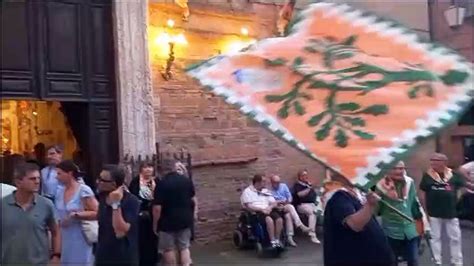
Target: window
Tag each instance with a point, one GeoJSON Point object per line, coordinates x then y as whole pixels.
{"type": "Point", "coordinates": [468, 118]}
{"type": "Point", "coordinates": [468, 145]}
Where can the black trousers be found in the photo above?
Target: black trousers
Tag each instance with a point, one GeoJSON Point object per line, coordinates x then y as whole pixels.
{"type": "Point", "coordinates": [148, 242]}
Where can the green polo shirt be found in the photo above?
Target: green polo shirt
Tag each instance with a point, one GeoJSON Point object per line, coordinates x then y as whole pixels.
{"type": "Point", "coordinates": [393, 224]}
{"type": "Point", "coordinates": [25, 232]}
{"type": "Point", "coordinates": [441, 198]}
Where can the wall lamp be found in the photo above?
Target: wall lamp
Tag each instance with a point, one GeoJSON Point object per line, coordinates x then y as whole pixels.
{"type": "Point", "coordinates": [171, 39]}
{"type": "Point", "coordinates": [455, 15]}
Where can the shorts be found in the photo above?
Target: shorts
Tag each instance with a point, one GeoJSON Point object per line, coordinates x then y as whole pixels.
{"type": "Point", "coordinates": [274, 214]}
{"type": "Point", "coordinates": [170, 241]}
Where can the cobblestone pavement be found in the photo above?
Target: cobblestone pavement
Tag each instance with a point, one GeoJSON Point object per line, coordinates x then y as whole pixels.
{"type": "Point", "coordinates": [305, 254]}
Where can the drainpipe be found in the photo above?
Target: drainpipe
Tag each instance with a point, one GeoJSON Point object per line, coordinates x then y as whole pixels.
{"type": "Point", "coordinates": [431, 6]}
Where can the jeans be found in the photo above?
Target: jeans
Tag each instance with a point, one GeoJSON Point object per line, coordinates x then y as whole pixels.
{"type": "Point", "coordinates": [406, 248]}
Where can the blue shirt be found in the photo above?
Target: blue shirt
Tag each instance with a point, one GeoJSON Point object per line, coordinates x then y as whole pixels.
{"type": "Point", "coordinates": [282, 193]}
{"type": "Point", "coordinates": [49, 181]}
{"type": "Point", "coordinates": [110, 249]}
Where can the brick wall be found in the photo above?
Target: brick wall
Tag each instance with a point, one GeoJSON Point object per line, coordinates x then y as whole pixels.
{"type": "Point", "coordinates": [461, 39]}
{"type": "Point", "coordinates": [211, 130]}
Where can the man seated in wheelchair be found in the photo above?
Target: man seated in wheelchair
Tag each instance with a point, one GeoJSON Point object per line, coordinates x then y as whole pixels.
{"type": "Point", "coordinates": [257, 199]}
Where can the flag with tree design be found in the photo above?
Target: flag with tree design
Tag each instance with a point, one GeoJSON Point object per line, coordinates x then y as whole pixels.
{"type": "Point", "coordinates": [349, 89]}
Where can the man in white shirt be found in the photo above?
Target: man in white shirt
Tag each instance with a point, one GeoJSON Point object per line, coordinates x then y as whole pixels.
{"type": "Point", "coordinates": [258, 199]}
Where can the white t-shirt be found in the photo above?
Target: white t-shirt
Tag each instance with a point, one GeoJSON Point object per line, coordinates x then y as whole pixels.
{"type": "Point", "coordinates": [7, 190]}
{"type": "Point", "coordinates": [256, 199]}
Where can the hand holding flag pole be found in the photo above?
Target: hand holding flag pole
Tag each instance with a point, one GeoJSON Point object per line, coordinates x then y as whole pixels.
{"type": "Point", "coordinates": [388, 205]}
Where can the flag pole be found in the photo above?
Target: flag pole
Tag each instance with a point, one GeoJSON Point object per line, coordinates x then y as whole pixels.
{"type": "Point", "coordinates": [388, 205]}
{"type": "Point", "coordinates": [397, 211]}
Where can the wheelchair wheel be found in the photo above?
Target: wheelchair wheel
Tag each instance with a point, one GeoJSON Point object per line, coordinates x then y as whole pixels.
{"type": "Point", "coordinates": [238, 239]}
{"type": "Point", "coordinates": [259, 249]}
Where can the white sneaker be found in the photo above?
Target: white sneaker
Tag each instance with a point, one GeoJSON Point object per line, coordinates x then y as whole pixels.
{"type": "Point", "coordinates": [274, 243]}
{"type": "Point", "coordinates": [291, 242]}
{"type": "Point", "coordinates": [315, 240]}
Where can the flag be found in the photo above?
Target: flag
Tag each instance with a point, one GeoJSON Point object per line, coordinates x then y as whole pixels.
{"type": "Point", "coordinates": [353, 91]}
{"type": "Point", "coordinates": [285, 15]}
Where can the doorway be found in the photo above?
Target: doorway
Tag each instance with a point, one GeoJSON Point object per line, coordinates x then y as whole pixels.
{"type": "Point", "coordinates": [61, 52]}
{"type": "Point", "coordinates": [29, 127]}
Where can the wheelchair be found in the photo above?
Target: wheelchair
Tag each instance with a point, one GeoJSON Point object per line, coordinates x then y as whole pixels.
{"type": "Point", "coordinates": [250, 233]}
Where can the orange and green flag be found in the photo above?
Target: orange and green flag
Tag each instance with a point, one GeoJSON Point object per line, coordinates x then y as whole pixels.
{"type": "Point", "coordinates": [349, 89]}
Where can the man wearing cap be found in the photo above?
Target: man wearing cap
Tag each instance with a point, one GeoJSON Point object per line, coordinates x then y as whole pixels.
{"type": "Point", "coordinates": [439, 195]}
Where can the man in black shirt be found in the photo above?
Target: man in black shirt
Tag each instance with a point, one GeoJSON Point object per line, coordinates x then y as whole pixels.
{"type": "Point", "coordinates": [173, 214]}
{"type": "Point", "coordinates": [352, 236]}
{"type": "Point", "coordinates": [118, 220]}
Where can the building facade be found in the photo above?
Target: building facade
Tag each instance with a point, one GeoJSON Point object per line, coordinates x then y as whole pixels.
{"type": "Point", "coordinates": [458, 141]}
{"type": "Point", "coordinates": [129, 102]}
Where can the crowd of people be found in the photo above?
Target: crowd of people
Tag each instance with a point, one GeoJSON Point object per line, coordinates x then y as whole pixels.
{"type": "Point", "coordinates": [52, 216]}
{"type": "Point", "coordinates": [274, 204]}
{"type": "Point", "coordinates": [353, 236]}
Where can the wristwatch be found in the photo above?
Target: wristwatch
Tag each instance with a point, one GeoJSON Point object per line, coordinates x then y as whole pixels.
{"type": "Point", "coordinates": [115, 205]}
{"type": "Point", "coordinates": [58, 255]}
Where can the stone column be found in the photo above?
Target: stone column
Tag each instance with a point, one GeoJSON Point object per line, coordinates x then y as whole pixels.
{"type": "Point", "coordinates": [134, 86]}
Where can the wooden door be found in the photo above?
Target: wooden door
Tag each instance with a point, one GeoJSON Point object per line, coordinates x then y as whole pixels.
{"type": "Point", "coordinates": [62, 50]}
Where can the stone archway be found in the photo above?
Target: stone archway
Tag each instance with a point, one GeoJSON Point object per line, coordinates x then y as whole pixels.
{"type": "Point", "coordinates": [136, 121]}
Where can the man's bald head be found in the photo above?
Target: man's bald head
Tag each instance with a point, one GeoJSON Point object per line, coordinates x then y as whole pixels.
{"type": "Point", "coordinates": [439, 162]}
{"type": "Point", "coordinates": [275, 181]}
{"type": "Point", "coordinates": [275, 178]}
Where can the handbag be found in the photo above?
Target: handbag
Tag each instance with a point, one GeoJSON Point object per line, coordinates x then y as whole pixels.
{"type": "Point", "coordinates": [90, 230]}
